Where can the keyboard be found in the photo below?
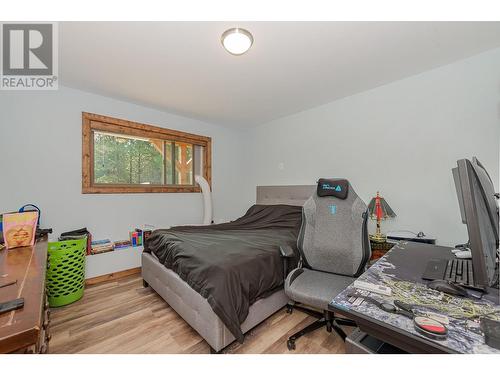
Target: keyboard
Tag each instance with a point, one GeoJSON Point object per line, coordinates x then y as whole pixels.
{"type": "Point", "coordinates": [455, 270]}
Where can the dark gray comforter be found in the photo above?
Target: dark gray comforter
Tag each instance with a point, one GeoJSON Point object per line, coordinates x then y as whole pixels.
{"type": "Point", "coordinates": [232, 264]}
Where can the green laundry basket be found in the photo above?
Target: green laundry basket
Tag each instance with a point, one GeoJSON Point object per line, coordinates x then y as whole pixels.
{"type": "Point", "coordinates": [66, 271]}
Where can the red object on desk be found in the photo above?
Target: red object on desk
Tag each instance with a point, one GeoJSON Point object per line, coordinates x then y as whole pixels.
{"type": "Point", "coordinates": [378, 208]}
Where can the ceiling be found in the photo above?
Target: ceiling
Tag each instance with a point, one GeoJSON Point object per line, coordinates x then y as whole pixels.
{"type": "Point", "coordinates": [181, 67]}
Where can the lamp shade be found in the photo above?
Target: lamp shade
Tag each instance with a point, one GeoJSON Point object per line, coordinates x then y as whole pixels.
{"type": "Point", "coordinates": [379, 208]}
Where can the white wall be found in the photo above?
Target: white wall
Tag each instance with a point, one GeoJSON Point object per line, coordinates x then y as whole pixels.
{"type": "Point", "coordinates": [402, 139]}
{"type": "Point", "coordinates": [40, 162]}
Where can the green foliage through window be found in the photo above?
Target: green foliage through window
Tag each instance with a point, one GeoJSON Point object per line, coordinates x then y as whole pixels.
{"type": "Point", "coordinates": [129, 160]}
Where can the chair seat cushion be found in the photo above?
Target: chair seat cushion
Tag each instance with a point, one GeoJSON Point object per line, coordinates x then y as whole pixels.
{"type": "Point", "coordinates": [315, 288]}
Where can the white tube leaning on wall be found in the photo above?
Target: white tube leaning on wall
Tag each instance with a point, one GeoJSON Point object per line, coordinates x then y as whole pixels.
{"type": "Point", "coordinates": [207, 199]}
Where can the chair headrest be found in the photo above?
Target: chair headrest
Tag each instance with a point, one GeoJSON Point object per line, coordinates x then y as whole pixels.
{"type": "Point", "coordinates": [333, 187]}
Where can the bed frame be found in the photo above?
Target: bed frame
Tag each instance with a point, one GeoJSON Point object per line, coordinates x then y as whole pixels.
{"type": "Point", "coordinates": [193, 308]}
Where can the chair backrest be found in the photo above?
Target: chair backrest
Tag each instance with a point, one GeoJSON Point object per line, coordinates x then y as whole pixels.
{"type": "Point", "coordinates": [334, 233]}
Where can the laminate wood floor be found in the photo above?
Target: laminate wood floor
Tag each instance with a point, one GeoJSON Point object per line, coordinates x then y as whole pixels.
{"type": "Point", "coordinates": [123, 317]}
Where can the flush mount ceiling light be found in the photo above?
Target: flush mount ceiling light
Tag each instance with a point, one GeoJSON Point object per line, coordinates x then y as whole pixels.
{"type": "Point", "coordinates": [237, 41]}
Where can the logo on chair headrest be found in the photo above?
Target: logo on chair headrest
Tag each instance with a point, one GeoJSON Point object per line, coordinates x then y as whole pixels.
{"type": "Point", "coordinates": [330, 187]}
{"type": "Point", "coordinates": [333, 209]}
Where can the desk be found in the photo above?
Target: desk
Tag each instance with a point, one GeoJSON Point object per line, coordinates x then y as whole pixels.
{"type": "Point", "coordinates": [402, 268]}
{"type": "Point", "coordinates": [25, 330]}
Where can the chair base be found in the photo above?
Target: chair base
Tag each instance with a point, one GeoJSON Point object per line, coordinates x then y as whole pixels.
{"type": "Point", "coordinates": [327, 319]}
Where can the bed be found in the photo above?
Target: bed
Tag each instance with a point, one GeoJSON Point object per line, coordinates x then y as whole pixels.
{"type": "Point", "coordinates": [194, 308]}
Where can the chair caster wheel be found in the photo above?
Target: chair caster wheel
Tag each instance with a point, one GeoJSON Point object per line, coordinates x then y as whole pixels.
{"type": "Point", "coordinates": [289, 309]}
{"type": "Point", "coordinates": [290, 345]}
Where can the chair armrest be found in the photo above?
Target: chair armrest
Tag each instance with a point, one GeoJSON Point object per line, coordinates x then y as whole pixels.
{"type": "Point", "coordinates": [286, 251]}
{"type": "Point", "coordinates": [289, 258]}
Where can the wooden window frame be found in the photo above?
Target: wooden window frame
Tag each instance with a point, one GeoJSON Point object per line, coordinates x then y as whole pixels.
{"type": "Point", "coordinates": [92, 122]}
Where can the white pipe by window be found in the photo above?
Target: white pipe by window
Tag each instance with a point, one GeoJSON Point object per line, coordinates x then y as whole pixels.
{"type": "Point", "coordinates": [207, 199]}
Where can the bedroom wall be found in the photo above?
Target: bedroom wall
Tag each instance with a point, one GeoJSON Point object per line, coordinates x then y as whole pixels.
{"type": "Point", "coordinates": [40, 162]}
{"type": "Point", "coordinates": [402, 139]}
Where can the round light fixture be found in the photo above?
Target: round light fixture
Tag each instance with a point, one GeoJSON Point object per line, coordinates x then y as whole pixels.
{"type": "Point", "coordinates": [237, 41]}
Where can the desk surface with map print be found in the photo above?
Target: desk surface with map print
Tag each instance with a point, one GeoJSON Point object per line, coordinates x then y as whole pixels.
{"type": "Point", "coordinates": [401, 269]}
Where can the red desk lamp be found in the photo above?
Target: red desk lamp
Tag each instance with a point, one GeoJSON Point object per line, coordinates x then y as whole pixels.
{"type": "Point", "coordinates": [379, 210]}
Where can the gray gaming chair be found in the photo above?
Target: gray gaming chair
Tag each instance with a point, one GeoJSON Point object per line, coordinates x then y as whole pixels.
{"type": "Point", "coordinates": [334, 249]}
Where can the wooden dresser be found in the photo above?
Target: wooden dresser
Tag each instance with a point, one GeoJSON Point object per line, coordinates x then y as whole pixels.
{"type": "Point", "coordinates": [25, 330]}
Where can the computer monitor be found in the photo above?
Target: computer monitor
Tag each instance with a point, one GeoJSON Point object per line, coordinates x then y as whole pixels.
{"type": "Point", "coordinates": [479, 210]}
{"type": "Point", "coordinates": [488, 190]}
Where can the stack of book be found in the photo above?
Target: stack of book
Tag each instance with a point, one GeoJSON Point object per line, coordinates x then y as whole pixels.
{"type": "Point", "coordinates": [101, 246]}
{"type": "Point", "coordinates": [123, 244]}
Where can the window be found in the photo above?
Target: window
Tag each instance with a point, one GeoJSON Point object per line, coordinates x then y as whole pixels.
{"type": "Point", "coordinates": [126, 157]}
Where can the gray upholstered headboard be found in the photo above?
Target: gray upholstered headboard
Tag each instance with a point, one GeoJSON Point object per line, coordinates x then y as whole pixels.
{"type": "Point", "coordinates": [294, 195]}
